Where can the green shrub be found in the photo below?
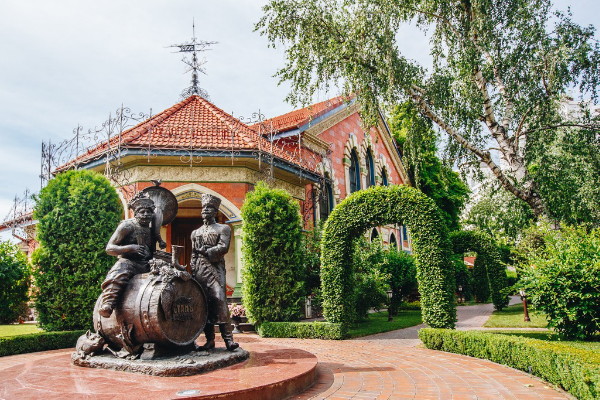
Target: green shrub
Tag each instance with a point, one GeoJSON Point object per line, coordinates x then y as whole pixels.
{"type": "Point", "coordinates": [272, 247]}
{"type": "Point", "coordinates": [303, 330]}
{"type": "Point", "coordinates": [550, 361]}
{"type": "Point", "coordinates": [401, 272]}
{"type": "Point", "coordinates": [489, 274]}
{"type": "Point", "coordinates": [77, 212]}
{"type": "Point", "coordinates": [38, 342]}
{"type": "Point", "coordinates": [562, 279]}
{"type": "Point", "coordinates": [371, 283]}
{"type": "Point", "coordinates": [15, 278]}
{"type": "Point", "coordinates": [378, 206]}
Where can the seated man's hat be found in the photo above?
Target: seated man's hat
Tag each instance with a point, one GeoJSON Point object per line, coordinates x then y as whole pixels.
{"type": "Point", "coordinates": [210, 200]}
{"type": "Point", "coordinates": [141, 200]}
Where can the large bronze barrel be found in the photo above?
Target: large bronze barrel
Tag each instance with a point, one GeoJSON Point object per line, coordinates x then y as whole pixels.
{"type": "Point", "coordinates": [154, 311]}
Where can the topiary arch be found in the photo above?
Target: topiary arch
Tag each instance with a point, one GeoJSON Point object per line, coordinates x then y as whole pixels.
{"type": "Point", "coordinates": [487, 263]}
{"type": "Point", "coordinates": [384, 205]}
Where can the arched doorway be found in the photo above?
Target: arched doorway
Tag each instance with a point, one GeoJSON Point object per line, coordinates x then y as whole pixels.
{"type": "Point", "coordinates": [188, 219]}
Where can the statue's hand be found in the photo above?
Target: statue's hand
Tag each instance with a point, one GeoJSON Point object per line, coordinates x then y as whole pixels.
{"type": "Point", "coordinates": [142, 251]}
{"type": "Point", "coordinates": [162, 243]}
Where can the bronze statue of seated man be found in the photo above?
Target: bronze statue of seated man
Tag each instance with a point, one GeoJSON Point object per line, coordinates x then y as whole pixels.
{"type": "Point", "coordinates": [133, 244]}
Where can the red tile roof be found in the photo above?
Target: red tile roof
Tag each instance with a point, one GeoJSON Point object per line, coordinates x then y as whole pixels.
{"type": "Point", "coordinates": [193, 123]}
{"type": "Point", "coordinates": [297, 118]}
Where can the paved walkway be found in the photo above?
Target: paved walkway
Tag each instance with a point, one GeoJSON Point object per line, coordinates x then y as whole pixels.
{"type": "Point", "coordinates": [390, 365]}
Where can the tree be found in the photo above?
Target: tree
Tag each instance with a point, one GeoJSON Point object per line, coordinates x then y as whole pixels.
{"type": "Point", "coordinates": [500, 215]}
{"type": "Point", "coordinates": [272, 247]}
{"type": "Point", "coordinates": [77, 212]}
{"type": "Point", "coordinates": [561, 275]}
{"type": "Point", "coordinates": [15, 278]}
{"type": "Point", "coordinates": [418, 144]}
{"type": "Point", "coordinates": [501, 71]}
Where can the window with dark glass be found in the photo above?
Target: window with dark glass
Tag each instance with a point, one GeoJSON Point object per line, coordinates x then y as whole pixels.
{"type": "Point", "coordinates": [384, 177]}
{"type": "Point", "coordinates": [393, 242]}
{"type": "Point", "coordinates": [354, 172]}
{"type": "Point", "coordinates": [370, 169]}
{"type": "Point", "coordinates": [326, 199]}
{"type": "Point", "coordinates": [374, 234]}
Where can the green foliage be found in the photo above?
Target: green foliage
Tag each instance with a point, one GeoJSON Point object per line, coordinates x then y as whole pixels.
{"type": "Point", "coordinates": [303, 330]}
{"type": "Point", "coordinates": [489, 274]}
{"type": "Point", "coordinates": [38, 342]}
{"type": "Point", "coordinates": [561, 276]}
{"type": "Point", "coordinates": [379, 322]}
{"type": "Point", "coordinates": [378, 206]}
{"type": "Point", "coordinates": [18, 329]}
{"type": "Point", "coordinates": [15, 278]}
{"type": "Point", "coordinates": [272, 247]}
{"type": "Point", "coordinates": [418, 144]}
{"type": "Point", "coordinates": [561, 365]}
{"type": "Point", "coordinates": [501, 71]}
{"type": "Point", "coordinates": [370, 283]}
{"type": "Point", "coordinates": [401, 272]}
{"type": "Point", "coordinates": [500, 215]}
{"type": "Point", "coordinates": [77, 212]}
{"type": "Point", "coordinates": [567, 169]}
{"type": "Point", "coordinates": [513, 317]}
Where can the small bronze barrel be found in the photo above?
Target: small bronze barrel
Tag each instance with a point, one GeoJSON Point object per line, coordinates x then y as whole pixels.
{"type": "Point", "coordinates": [154, 311]}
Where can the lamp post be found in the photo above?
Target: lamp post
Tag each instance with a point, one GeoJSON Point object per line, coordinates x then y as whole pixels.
{"type": "Point", "coordinates": [460, 294]}
{"type": "Point", "coordinates": [525, 312]}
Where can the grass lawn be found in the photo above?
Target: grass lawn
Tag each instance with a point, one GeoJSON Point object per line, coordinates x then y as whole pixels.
{"type": "Point", "coordinates": [587, 350]}
{"type": "Point", "coordinates": [512, 317]}
{"type": "Point", "coordinates": [378, 322]}
{"type": "Point", "coordinates": [18, 329]}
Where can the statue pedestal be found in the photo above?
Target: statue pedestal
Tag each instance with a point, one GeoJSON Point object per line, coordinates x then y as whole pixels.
{"type": "Point", "coordinates": [191, 363]}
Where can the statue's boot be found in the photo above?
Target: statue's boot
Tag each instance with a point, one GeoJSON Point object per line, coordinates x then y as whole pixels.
{"type": "Point", "coordinates": [109, 296]}
{"type": "Point", "coordinates": [209, 333]}
{"type": "Point", "coordinates": [228, 337]}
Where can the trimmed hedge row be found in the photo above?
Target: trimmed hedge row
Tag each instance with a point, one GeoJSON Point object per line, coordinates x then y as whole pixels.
{"type": "Point", "coordinates": [547, 360]}
{"type": "Point", "coordinates": [303, 330]}
{"type": "Point", "coordinates": [487, 265]}
{"type": "Point", "coordinates": [38, 342]}
{"type": "Point", "coordinates": [382, 205]}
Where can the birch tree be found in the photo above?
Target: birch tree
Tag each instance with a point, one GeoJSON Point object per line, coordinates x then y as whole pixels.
{"type": "Point", "coordinates": [502, 71]}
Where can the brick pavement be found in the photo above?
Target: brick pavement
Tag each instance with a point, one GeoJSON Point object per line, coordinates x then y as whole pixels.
{"type": "Point", "coordinates": [391, 365]}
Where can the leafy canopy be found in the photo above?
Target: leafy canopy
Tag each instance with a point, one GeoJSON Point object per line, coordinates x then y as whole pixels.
{"type": "Point", "coordinates": [273, 253]}
{"type": "Point", "coordinates": [15, 278]}
{"type": "Point", "coordinates": [501, 72]}
{"type": "Point", "coordinates": [77, 211]}
{"type": "Point", "coordinates": [418, 144]}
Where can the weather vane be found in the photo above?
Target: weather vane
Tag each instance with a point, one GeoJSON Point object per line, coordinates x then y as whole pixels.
{"type": "Point", "coordinates": [194, 65]}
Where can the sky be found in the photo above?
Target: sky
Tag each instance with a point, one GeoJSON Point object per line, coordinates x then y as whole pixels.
{"type": "Point", "coordinates": [70, 62]}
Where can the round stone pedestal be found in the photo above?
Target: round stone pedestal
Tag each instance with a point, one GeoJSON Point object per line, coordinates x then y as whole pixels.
{"type": "Point", "coordinates": [192, 363]}
{"type": "Point", "coordinates": [271, 372]}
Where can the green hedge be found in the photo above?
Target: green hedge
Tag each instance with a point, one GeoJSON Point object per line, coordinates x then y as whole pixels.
{"type": "Point", "coordinates": [38, 342]}
{"type": "Point", "coordinates": [488, 272]}
{"type": "Point", "coordinates": [303, 330]}
{"type": "Point", "coordinates": [378, 206]}
{"type": "Point", "coordinates": [550, 361]}
{"type": "Point", "coordinates": [272, 248]}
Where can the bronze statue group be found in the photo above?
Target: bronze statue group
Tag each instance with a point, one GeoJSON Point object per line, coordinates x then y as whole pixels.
{"type": "Point", "coordinates": [134, 244]}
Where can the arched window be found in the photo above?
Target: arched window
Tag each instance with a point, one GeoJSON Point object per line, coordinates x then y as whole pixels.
{"type": "Point", "coordinates": [384, 177]}
{"type": "Point", "coordinates": [370, 169]}
{"type": "Point", "coordinates": [393, 241]}
{"type": "Point", "coordinates": [374, 234]}
{"type": "Point", "coordinates": [354, 172]}
{"type": "Point", "coordinates": [326, 198]}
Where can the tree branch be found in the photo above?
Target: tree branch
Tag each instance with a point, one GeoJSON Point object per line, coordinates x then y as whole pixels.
{"type": "Point", "coordinates": [484, 156]}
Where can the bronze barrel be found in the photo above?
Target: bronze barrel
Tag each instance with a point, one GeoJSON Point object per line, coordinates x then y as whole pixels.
{"type": "Point", "coordinates": [154, 311]}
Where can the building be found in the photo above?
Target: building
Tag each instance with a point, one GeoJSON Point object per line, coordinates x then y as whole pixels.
{"type": "Point", "coordinates": [320, 154]}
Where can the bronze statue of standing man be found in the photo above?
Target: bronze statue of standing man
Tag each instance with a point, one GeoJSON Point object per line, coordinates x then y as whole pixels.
{"type": "Point", "coordinates": [210, 243]}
